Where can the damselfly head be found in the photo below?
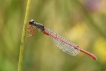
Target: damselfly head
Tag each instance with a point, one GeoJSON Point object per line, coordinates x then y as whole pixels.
{"type": "Point", "coordinates": [31, 22]}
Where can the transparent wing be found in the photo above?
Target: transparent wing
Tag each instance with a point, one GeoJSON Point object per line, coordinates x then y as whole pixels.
{"type": "Point", "coordinates": [64, 44]}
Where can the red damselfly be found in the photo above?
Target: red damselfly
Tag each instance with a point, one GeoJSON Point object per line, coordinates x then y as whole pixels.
{"type": "Point", "coordinates": [63, 43]}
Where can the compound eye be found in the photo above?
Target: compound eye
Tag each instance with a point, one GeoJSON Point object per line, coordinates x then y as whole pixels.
{"type": "Point", "coordinates": [31, 22]}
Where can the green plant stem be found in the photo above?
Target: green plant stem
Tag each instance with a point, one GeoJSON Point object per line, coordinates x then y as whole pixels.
{"type": "Point", "coordinates": [23, 37]}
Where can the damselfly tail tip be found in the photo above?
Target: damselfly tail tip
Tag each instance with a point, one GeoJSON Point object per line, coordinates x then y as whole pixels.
{"type": "Point", "coordinates": [88, 53]}
{"type": "Point", "coordinates": [94, 57]}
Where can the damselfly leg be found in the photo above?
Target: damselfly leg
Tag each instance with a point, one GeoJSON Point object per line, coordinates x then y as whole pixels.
{"type": "Point", "coordinates": [31, 29]}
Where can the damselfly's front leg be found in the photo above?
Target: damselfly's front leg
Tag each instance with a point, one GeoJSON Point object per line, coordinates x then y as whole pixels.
{"type": "Point", "coordinates": [31, 29]}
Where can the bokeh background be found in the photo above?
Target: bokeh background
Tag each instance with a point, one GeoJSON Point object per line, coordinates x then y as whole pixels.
{"type": "Point", "coordinates": [81, 21]}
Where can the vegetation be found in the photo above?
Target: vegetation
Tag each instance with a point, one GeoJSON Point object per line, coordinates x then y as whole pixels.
{"type": "Point", "coordinates": [81, 21]}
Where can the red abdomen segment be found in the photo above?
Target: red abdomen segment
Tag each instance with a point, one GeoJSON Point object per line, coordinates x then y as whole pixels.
{"type": "Point", "coordinates": [66, 45]}
{"type": "Point", "coordinates": [88, 53]}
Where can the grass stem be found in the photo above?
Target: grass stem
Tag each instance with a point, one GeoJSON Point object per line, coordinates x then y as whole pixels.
{"type": "Point", "coordinates": [23, 37]}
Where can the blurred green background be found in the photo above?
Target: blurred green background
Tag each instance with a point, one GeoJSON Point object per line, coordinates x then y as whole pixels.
{"type": "Point", "coordinates": [81, 21]}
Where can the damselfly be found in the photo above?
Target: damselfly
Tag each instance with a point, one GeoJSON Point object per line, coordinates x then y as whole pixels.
{"type": "Point", "coordinates": [63, 43]}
